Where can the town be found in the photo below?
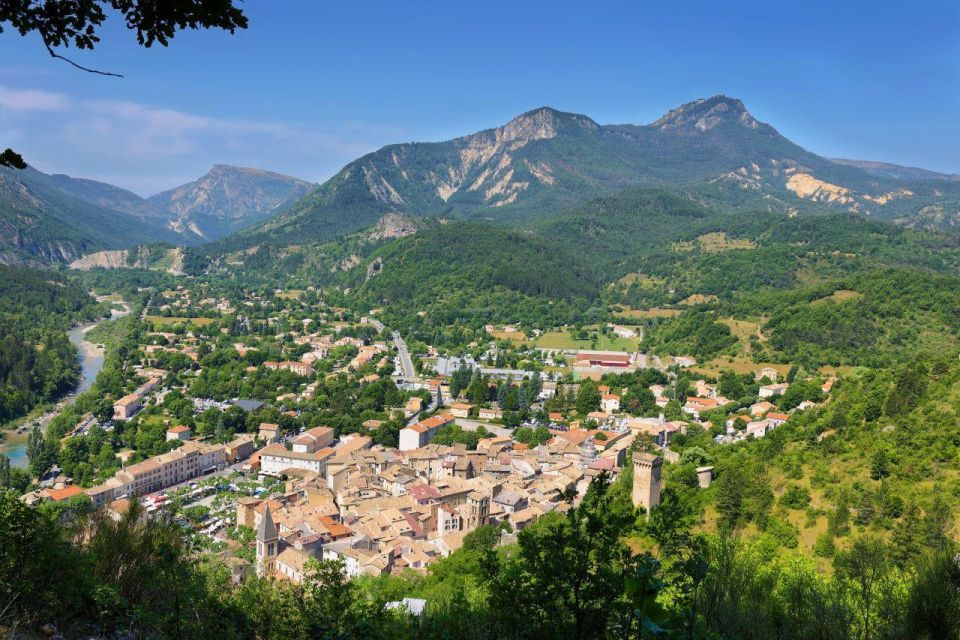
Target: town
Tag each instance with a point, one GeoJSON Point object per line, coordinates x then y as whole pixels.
{"type": "Point", "coordinates": [224, 419]}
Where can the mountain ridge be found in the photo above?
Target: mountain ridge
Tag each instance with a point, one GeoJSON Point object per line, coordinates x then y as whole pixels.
{"type": "Point", "coordinates": [546, 159]}
{"type": "Point", "coordinates": [227, 198]}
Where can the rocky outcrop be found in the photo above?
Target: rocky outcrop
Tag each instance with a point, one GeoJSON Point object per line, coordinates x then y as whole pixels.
{"type": "Point", "coordinates": [704, 114]}
{"type": "Point", "coordinates": [169, 260]}
{"type": "Point", "coordinates": [111, 259]}
{"type": "Point", "coordinates": [375, 268]}
{"type": "Point", "coordinates": [393, 225]}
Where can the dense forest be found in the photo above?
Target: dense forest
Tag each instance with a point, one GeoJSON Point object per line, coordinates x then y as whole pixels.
{"type": "Point", "coordinates": [37, 361]}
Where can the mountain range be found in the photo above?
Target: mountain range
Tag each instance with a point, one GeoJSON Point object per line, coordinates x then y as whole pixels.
{"type": "Point", "coordinates": [56, 218]}
{"type": "Point", "coordinates": [542, 162]}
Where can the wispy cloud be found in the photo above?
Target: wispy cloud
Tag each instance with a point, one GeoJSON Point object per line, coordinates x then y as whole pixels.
{"type": "Point", "coordinates": [32, 100]}
{"type": "Point", "coordinates": [148, 149]}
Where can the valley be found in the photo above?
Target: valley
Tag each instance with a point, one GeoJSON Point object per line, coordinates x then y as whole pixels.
{"type": "Point", "coordinates": [689, 358]}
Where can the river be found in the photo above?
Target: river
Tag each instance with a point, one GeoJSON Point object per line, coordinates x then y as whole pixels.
{"type": "Point", "coordinates": [91, 362]}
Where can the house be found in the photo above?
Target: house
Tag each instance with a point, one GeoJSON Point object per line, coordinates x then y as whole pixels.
{"type": "Point", "coordinates": [759, 428]}
{"type": "Point", "coordinates": [696, 406]}
{"type": "Point", "coordinates": [623, 332]}
{"type": "Point", "coordinates": [767, 372]}
{"type": "Point", "coordinates": [269, 432]}
{"type": "Point", "coordinates": [491, 413]}
{"type": "Point", "coordinates": [312, 440]}
{"type": "Point", "coordinates": [275, 458]}
{"type": "Point", "coordinates": [240, 448]}
{"type": "Point", "coordinates": [190, 460]}
{"type": "Point", "coordinates": [461, 410]}
{"type": "Point", "coordinates": [760, 408]}
{"type": "Point", "coordinates": [420, 434]}
{"type": "Point", "coordinates": [413, 407]}
{"type": "Point", "coordinates": [705, 389]}
{"type": "Point", "coordinates": [610, 403]}
{"type": "Point", "coordinates": [510, 502]}
{"type": "Point", "coordinates": [547, 390]}
{"type": "Point", "coordinates": [59, 495]}
{"type": "Point", "coordinates": [179, 432]}
{"type": "Point", "coordinates": [777, 419]}
{"type": "Point", "coordinates": [449, 520]}
{"type": "Point", "coordinates": [291, 564]}
{"type": "Point", "coordinates": [770, 390]}
{"type": "Point", "coordinates": [127, 406]}
{"type": "Point", "coordinates": [299, 368]}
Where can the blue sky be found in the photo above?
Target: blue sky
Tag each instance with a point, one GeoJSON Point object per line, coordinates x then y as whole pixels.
{"type": "Point", "coordinates": [312, 85]}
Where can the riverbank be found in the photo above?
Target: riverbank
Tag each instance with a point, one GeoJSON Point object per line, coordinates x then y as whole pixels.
{"type": "Point", "coordinates": [91, 357]}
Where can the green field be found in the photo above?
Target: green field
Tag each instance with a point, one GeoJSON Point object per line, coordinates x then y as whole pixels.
{"type": "Point", "coordinates": [563, 340]}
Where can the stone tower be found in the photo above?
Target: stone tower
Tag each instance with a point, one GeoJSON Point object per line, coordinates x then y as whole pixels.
{"type": "Point", "coordinates": [646, 480]}
{"type": "Point", "coordinates": [268, 542]}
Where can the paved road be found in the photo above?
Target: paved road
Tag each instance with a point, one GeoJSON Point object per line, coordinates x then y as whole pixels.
{"type": "Point", "coordinates": [471, 425]}
{"type": "Point", "coordinates": [406, 363]}
{"type": "Point", "coordinates": [376, 323]}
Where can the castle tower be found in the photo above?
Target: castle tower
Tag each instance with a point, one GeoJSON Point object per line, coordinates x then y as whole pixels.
{"type": "Point", "coordinates": [646, 480]}
{"type": "Point", "coordinates": [588, 453]}
{"type": "Point", "coordinates": [268, 542]}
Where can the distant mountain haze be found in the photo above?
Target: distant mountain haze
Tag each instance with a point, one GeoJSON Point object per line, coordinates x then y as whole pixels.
{"type": "Point", "coordinates": [58, 218]}
{"type": "Point", "coordinates": [228, 198]}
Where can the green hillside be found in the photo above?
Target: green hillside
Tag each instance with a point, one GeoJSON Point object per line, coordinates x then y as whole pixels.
{"type": "Point", "coordinates": [37, 361]}
{"type": "Point", "coordinates": [40, 223]}
{"type": "Point", "coordinates": [472, 272]}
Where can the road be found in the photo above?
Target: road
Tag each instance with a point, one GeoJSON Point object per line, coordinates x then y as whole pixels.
{"type": "Point", "coordinates": [406, 363]}
{"type": "Point", "coordinates": [471, 425]}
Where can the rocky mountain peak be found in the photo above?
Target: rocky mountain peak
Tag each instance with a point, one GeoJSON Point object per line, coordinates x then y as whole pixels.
{"type": "Point", "coordinates": [705, 114]}
{"type": "Point", "coordinates": [543, 123]}
{"type": "Point", "coordinates": [227, 196]}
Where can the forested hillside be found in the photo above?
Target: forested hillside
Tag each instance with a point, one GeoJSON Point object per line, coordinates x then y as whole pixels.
{"type": "Point", "coordinates": [458, 270]}
{"type": "Point", "coordinates": [37, 361]}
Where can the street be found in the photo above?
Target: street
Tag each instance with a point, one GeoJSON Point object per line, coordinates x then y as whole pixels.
{"type": "Point", "coordinates": [406, 363]}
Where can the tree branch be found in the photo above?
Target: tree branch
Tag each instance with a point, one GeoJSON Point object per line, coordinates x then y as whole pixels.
{"type": "Point", "coordinates": [54, 54]}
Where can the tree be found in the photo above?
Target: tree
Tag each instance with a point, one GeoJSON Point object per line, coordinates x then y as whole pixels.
{"type": "Point", "coordinates": [588, 399]}
{"type": "Point", "coordinates": [568, 569]}
{"type": "Point", "coordinates": [639, 400]}
{"type": "Point", "coordinates": [42, 454]}
{"type": "Point", "coordinates": [933, 606]}
{"type": "Point", "coordinates": [329, 598]}
{"type": "Point", "coordinates": [861, 570]}
{"type": "Point", "coordinates": [880, 463]}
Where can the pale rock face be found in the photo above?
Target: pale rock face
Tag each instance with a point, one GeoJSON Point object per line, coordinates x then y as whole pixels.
{"type": "Point", "coordinates": [806, 186]}
{"type": "Point", "coordinates": [112, 259]}
{"type": "Point", "coordinates": [393, 225]}
{"type": "Point", "coordinates": [887, 197]}
{"type": "Point", "coordinates": [137, 258]}
{"type": "Point", "coordinates": [380, 188]}
{"type": "Point", "coordinates": [490, 153]}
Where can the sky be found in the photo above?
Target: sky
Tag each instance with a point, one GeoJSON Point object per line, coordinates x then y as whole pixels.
{"type": "Point", "coordinates": [312, 85]}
